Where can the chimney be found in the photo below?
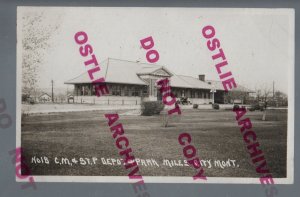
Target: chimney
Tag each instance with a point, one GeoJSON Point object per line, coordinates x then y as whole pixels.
{"type": "Point", "coordinates": [201, 77]}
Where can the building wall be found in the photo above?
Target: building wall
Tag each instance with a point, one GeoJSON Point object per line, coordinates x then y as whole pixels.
{"type": "Point", "coordinates": [196, 96]}
{"type": "Point", "coordinates": [108, 100]}
{"type": "Point", "coordinates": [200, 101]}
{"type": "Point", "coordinates": [126, 90]}
{"type": "Point", "coordinates": [192, 93]}
{"type": "Point", "coordinates": [126, 94]}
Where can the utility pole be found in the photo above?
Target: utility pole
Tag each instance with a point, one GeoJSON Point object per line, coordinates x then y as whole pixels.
{"type": "Point", "coordinates": [52, 92]}
{"type": "Point", "coordinates": [273, 91]}
{"type": "Point", "coordinates": [213, 91]}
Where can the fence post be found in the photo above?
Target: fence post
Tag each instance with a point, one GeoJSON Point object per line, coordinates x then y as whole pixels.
{"type": "Point", "coordinates": [123, 102]}
{"type": "Point", "coordinates": [108, 101]}
{"type": "Point", "coordinates": [135, 102]}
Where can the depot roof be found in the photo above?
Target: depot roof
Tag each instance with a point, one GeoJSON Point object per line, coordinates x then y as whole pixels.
{"type": "Point", "coordinates": [217, 85]}
{"type": "Point", "coordinates": [130, 72]}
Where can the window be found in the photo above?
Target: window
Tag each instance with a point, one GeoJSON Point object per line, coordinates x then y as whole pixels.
{"type": "Point", "coordinates": [116, 90]}
{"type": "Point", "coordinates": [193, 94]}
{"type": "Point", "coordinates": [83, 90]}
{"type": "Point", "coordinates": [126, 91]}
{"type": "Point", "coordinates": [135, 91]}
{"type": "Point", "coordinates": [77, 89]}
{"type": "Point", "coordinates": [87, 90]}
{"type": "Point", "coordinates": [175, 92]}
{"type": "Point", "coordinates": [145, 91]}
{"type": "Point", "coordinates": [99, 85]}
{"type": "Point", "coordinates": [93, 90]}
{"type": "Point", "coordinates": [188, 93]}
{"type": "Point", "coordinates": [182, 93]}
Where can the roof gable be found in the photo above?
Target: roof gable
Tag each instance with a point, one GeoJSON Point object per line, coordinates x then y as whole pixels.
{"type": "Point", "coordinates": [162, 72]}
{"type": "Point", "coordinates": [159, 71]}
{"type": "Point", "coordinates": [44, 94]}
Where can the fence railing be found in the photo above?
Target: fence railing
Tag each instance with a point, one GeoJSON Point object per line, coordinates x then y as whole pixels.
{"type": "Point", "coordinates": [107, 102]}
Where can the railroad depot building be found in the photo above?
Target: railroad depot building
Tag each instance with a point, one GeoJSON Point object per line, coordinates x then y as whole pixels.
{"type": "Point", "coordinates": [131, 82]}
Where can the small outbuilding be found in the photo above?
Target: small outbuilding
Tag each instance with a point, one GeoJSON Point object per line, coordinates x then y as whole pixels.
{"type": "Point", "coordinates": [44, 97]}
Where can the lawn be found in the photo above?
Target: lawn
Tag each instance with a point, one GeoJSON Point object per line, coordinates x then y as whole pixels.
{"type": "Point", "coordinates": [215, 134]}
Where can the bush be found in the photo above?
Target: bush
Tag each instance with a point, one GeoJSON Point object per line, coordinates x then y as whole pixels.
{"type": "Point", "coordinates": [256, 106]}
{"type": "Point", "coordinates": [235, 107]}
{"type": "Point", "coordinates": [150, 108]}
{"type": "Point", "coordinates": [195, 106]}
{"type": "Point", "coordinates": [215, 106]}
{"type": "Point", "coordinates": [251, 109]}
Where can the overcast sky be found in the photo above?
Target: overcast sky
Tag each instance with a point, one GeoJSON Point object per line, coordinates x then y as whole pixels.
{"type": "Point", "coordinates": [258, 43]}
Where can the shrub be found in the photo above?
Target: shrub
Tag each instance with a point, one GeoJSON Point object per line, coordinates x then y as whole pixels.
{"type": "Point", "coordinates": [215, 106]}
{"type": "Point", "coordinates": [150, 108]}
{"type": "Point", "coordinates": [251, 109]}
{"type": "Point", "coordinates": [235, 107]}
{"type": "Point", "coordinates": [195, 106]}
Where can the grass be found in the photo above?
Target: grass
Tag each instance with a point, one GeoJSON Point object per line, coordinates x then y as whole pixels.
{"type": "Point", "coordinates": [215, 134]}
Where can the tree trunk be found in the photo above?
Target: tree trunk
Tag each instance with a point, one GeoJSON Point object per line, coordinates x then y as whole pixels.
{"type": "Point", "coordinates": [264, 115]}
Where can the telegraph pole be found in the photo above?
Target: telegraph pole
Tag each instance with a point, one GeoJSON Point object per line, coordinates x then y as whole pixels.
{"type": "Point", "coordinates": [52, 92]}
{"type": "Point", "coordinates": [213, 91]}
{"type": "Point", "coordinates": [273, 91]}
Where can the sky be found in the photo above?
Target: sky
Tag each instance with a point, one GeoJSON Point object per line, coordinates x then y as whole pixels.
{"type": "Point", "coordinates": [258, 43]}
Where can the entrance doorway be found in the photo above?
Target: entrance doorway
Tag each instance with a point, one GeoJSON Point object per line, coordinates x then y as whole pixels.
{"type": "Point", "coordinates": [159, 96]}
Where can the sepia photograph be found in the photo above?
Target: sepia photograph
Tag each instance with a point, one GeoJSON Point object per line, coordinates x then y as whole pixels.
{"type": "Point", "coordinates": [173, 95]}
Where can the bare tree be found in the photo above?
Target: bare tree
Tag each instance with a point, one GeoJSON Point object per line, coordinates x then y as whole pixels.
{"type": "Point", "coordinates": [234, 95]}
{"type": "Point", "coordinates": [258, 94]}
{"type": "Point", "coordinates": [281, 99]}
{"type": "Point", "coordinates": [263, 95]}
{"type": "Point", "coordinates": [61, 97]}
{"type": "Point", "coordinates": [36, 34]}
